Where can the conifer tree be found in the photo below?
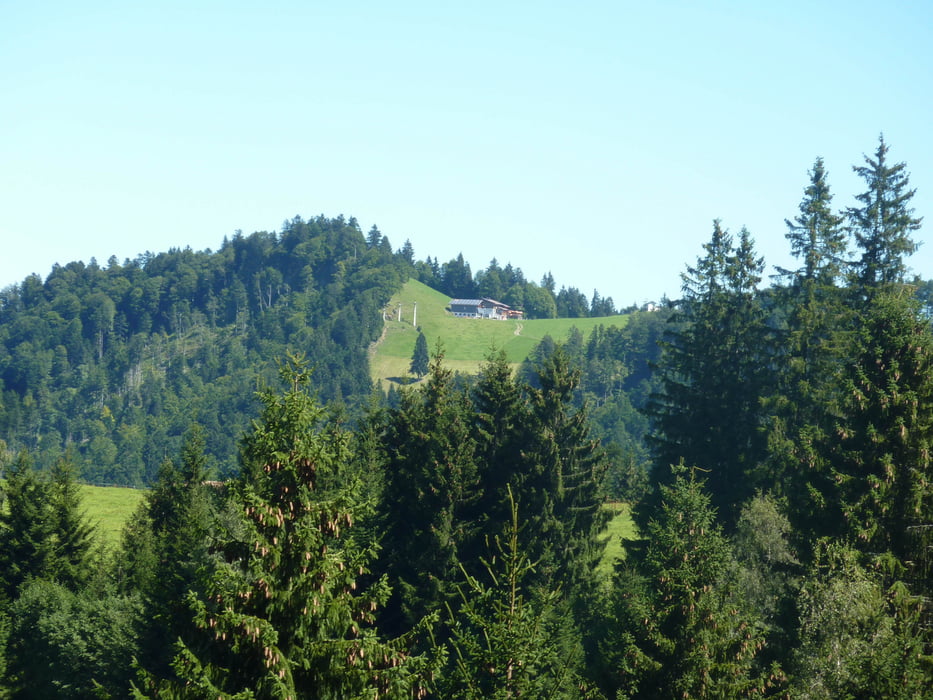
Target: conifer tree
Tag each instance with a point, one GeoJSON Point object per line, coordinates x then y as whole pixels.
{"type": "Point", "coordinates": [884, 222]}
{"type": "Point", "coordinates": [169, 550]}
{"type": "Point", "coordinates": [420, 359]}
{"type": "Point", "coordinates": [283, 605]}
{"type": "Point", "coordinates": [430, 482]}
{"type": "Point", "coordinates": [681, 632]}
{"type": "Point", "coordinates": [814, 340]}
{"type": "Point", "coordinates": [505, 635]}
{"type": "Point", "coordinates": [502, 419]}
{"type": "Point", "coordinates": [878, 452]}
{"type": "Point", "coordinates": [561, 491]}
{"type": "Point", "coordinates": [715, 370]}
{"type": "Point", "coordinates": [73, 535]}
{"type": "Point", "coordinates": [26, 526]}
{"type": "Point", "coordinates": [817, 236]}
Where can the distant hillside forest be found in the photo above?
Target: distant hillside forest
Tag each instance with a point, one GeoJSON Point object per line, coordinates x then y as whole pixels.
{"type": "Point", "coordinates": [112, 364]}
{"type": "Point", "coordinates": [774, 444]}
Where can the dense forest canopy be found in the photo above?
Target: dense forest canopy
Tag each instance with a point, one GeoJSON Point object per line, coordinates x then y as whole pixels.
{"type": "Point", "coordinates": [449, 539]}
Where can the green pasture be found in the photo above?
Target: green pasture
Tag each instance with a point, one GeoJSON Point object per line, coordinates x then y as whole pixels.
{"type": "Point", "coordinates": [109, 508]}
{"type": "Point", "coordinates": [466, 342]}
{"type": "Point", "coordinates": [619, 529]}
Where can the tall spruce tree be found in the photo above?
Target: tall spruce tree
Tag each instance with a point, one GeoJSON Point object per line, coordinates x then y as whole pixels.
{"type": "Point", "coordinates": [168, 549]}
{"type": "Point", "coordinates": [73, 535]}
{"type": "Point", "coordinates": [817, 236]}
{"type": "Point", "coordinates": [813, 341]}
{"type": "Point", "coordinates": [502, 418]}
{"type": "Point", "coordinates": [562, 490]}
{"type": "Point", "coordinates": [283, 605]}
{"type": "Point", "coordinates": [430, 482]}
{"type": "Point", "coordinates": [715, 369]}
{"type": "Point", "coordinates": [884, 221]}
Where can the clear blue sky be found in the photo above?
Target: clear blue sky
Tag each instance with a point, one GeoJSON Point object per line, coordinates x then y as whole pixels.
{"type": "Point", "coordinates": [595, 140]}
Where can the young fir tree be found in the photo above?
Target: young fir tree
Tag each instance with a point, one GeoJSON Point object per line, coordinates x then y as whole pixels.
{"type": "Point", "coordinates": [26, 527]}
{"type": "Point", "coordinates": [505, 637]}
{"type": "Point", "coordinates": [715, 370]}
{"type": "Point", "coordinates": [681, 631]}
{"type": "Point", "coordinates": [501, 417]}
{"type": "Point", "coordinates": [168, 549]}
{"type": "Point", "coordinates": [883, 224]}
{"type": "Point", "coordinates": [420, 359]}
{"type": "Point", "coordinates": [534, 450]}
{"type": "Point", "coordinates": [73, 537]}
{"type": "Point", "coordinates": [283, 605]}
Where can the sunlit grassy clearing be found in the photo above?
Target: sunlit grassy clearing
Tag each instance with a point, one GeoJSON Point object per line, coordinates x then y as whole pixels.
{"type": "Point", "coordinates": [619, 529]}
{"type": "Point", "coordinates": [109, 508]}
{"type": "Point", "coordinates": [466, 342]}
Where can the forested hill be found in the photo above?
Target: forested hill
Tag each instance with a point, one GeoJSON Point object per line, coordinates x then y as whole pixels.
{"type": "Point", "coordinates": [113, 363]}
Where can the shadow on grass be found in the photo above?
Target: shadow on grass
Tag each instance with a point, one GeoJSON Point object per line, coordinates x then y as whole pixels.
{"type": "Point", "coordinates": [403, 381]}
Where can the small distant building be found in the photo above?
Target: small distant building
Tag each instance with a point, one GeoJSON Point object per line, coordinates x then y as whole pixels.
{"type": "Point", "coordinates": [483, 308]}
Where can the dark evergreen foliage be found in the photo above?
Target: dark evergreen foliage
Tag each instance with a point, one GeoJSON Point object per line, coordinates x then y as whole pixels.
{"type": "Point", "coordinates": [562, 488]}
{"type": "Point", "coordinates": [817, 236]}
{"type": "Point", "coordinates": [166, 548]}
{"type": "Point", "coordinates": [420, 359]}
{"type": "Point", "coordinates": [813, 343]}
{"type": "Point", "coordinates": [883, 224]}
{"type": "Point", "coordinates": [878, 449]}
{"type": "Point", "coordinates": [26, 527]}
{"type": "Point", "coordinates": [430, 482]}
{"type": "Point", "coordinates": [507, 638]}
{"type": "Point", "coordinates": [72, 534]}
{"type": "Point", "coordinates": [681, 631]}
{"type": "Point", "coordinates": [716, 369]}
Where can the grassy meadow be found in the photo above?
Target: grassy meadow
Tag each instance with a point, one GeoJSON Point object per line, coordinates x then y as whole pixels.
{"type": "Point", "coordinates": [109, 508]}
{"type": "Point", "coordinates": [466, 342]}
{"type": "Point", "coordinates": [619, 529]}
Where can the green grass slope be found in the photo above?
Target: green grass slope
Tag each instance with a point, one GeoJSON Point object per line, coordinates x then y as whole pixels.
{"type": "Point", "coordinates": [109, 508]}
{"type": "Point", "coordinates": [619, 529]}
{"type": "Point", "coordinates": [466, 342]}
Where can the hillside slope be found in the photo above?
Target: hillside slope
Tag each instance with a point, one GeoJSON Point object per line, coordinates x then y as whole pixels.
{"type": "Point", "coordinates": [465, 342]}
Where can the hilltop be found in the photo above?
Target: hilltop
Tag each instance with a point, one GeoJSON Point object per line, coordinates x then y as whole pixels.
{"type": "Point", "coordinates": [466, 342]}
